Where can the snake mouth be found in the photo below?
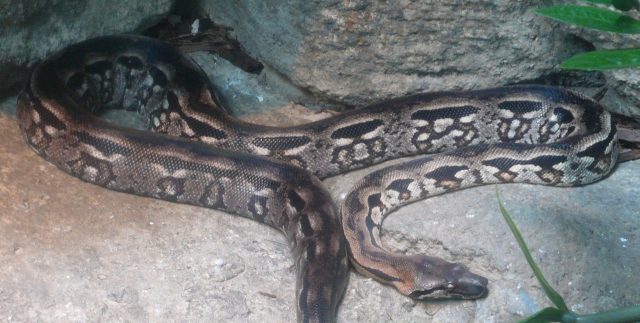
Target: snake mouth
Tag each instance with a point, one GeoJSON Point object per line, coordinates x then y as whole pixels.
{"type": "Point", "coordinates": [470, 286]}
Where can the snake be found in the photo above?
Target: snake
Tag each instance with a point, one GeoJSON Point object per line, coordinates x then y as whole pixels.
{"type": "Point", "coordinates": [194, 151]}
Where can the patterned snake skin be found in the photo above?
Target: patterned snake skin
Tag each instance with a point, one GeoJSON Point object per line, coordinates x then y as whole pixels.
{"type": "Point", "coordinates": [203, 156]}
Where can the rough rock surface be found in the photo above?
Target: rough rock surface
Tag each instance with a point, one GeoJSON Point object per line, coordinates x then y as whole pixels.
{"type": "Point", "coordinates": [71, 251]}
{"type": "Point", "coordinates": [357, 52]}
{"type": "Point", "coordinates": [31, 29]}
{"type": "Point", "coordinates": [246, 93]}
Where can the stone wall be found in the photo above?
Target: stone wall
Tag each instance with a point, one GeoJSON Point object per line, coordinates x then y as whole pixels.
{"type": "Point", "coordinates": [31, 29]}
{"type": "Point", "coordinates": [358, 52]}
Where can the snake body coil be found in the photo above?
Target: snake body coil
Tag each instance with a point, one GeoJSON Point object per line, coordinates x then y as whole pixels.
{"type": "Point", "coordinates": [203, 156]}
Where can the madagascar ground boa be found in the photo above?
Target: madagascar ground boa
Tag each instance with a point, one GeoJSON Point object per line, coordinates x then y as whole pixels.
{"type": "Point", "coordinates": [206, 157]}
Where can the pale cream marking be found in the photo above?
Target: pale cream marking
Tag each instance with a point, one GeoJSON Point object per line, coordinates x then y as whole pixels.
{"type": "Point", "coordinates": [423, 137]}
{"type": "Point", "coordinates": [441, 125]}
{"type": "Point", "coordinates": [419, 123]}
{"type": "Point", "coordinates": [469, 135]}
{"type": "Point", "coordinates": [50, 130]}
{"type": "Point", "coordinates": [360, 151]}
{"type": "Point", "coordinates": [38, 136]}
{"type": "Point", "coordinates": [456, 133]}
{"type": "Point", "coordinates": [161, 170]}
{"type": "Point", "coordinates": [210, 140]}
{"type": "Point", "coordinates": [343, 141]}
{"type": "Point", "coordinates": [258, 208]}
{"type": "Point", "coordinates": [94, 152]}
{"type": "Point", "coordinates": [170, 188]}
{"type": "Point", "coordinates": [533, 114]}
{"type": "Point", "coordinates": [260, 150]}
{"type": "Point", "coordinates": [180, 173]}
{"type": "Point", "coordinates": [507, 114]}
{"type": "Point", "coordinates": [90, 173]}
{"type": "Point", "coordinates": [468, 118]}
{"type": "Point", "coordinates": [35, 116]}
{"type": "Point", "coordinates": [373, 134]}
{"type": "Point", "coordinates": [296, 150]}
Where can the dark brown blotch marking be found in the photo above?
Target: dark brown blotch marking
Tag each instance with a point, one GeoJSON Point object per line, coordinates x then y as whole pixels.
{"type": "Point", "coordinates": [444, 113]}
{"type": "Point", "coordinates": [305, 225]}
{"type": "Point", "coordinates": [563, 115]}
{"type": "Point", "coordinates": [357, 130]}
{"type": "Point", "coordinates": [445, 176]}
{"type": "Point", "coordinates": [159, 77]}
{"type": "Point", "coordinates": [296, 201]}
{"type": "Point", "coordinates": [543, 161]}
{"type": "Point", "coordinates": [520, 106]}
{"type": "Point", "coordinates": [281, 143]}
{"type": "Point", "coordinates": [213, 195]}
{"type": "Point", "coordinates": [401, 186]}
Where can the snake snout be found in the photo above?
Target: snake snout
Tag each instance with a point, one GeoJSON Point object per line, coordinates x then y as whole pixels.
{"type": "Point", "coordinates": [470, 286]}
{"type": "Point", "coordinates": [436, 278]}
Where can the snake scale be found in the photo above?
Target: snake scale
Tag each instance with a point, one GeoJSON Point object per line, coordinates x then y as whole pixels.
{"type": "Point", "coordinates": [199, 154]}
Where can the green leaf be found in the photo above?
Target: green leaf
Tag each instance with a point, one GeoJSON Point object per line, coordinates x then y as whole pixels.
{"type": "Point", "coordinates": [549, 314]}
{"type": "Point", "coordinates": [591, 17]}
{"type": "Point", "coordinates": [625, 5]}
{"type": "Point", "coordinates": [604, 60]}
{"type": "Point", "coordinates": [555, 298]}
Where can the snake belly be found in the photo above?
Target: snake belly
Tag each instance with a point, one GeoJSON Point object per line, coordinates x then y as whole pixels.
{"type": "Point", "coordinates": [199, 154]}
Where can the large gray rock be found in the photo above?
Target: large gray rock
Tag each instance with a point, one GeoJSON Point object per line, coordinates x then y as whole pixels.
{"type": "Point", "coordinates": [31, 29]}
{"type": "Point", "coordinates": [358, 52]}
{"type": "Point", "coordinates": [245, 93]}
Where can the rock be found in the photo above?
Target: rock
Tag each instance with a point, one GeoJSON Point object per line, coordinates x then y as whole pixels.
{"type": "Point", "coordinates": [32, 29]}
{"type": "Point", "coordinates": [358, 52]}
{"type": "Point", "coordinates": [245, 93]}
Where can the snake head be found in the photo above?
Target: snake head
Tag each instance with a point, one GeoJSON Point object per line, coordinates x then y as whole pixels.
{"type": "Point", "coordinates": [438, 279]}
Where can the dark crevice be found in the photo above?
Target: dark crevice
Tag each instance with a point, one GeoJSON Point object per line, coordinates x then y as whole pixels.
{"type": "Point", "coordinates": [176, 29]}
